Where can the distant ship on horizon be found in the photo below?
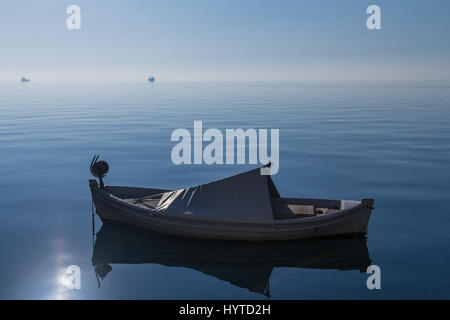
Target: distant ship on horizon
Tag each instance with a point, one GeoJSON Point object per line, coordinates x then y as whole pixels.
{"type": "Point", "coordinates": [23, 79]}
{"type": "Point", "coordinates": [151, 79]}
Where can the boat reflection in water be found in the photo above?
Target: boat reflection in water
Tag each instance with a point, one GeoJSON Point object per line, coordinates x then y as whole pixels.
{"type": "Point", "coordinates": [243, 264]}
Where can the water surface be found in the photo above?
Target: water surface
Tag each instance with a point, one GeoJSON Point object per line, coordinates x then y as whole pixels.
{"type": "Point", "coordinates": [343, 140]}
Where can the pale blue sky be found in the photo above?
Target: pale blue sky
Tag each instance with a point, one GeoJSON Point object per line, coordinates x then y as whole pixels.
{"type": "Point", "coordinates": [224, 40]}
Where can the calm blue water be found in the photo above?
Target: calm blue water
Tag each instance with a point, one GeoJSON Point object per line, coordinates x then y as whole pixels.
{"type": "Point", "coordinates": [388, 141]}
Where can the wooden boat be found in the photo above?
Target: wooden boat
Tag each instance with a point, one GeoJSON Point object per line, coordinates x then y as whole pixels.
{"type": "Point", "coordinates": [246, 265]}
{"type": "Point", "coordinates": [246, 207]}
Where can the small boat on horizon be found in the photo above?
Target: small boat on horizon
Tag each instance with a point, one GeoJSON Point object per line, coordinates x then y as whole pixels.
{"type": "Point", "coordinates": [151, 79]}
{"type": "Point", "coordinates": [23, 79]}
{"type": "Point", "coordinates": [245, 207]}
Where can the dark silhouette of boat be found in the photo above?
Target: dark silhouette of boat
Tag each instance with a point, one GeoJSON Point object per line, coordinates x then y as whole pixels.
{"type": "Point", "coordinates": [245, 207]}
{"type": "Point", "coordinates": [243, 264]}
{"type": "Point", "coordinates": [151, 79]}
{"type": "Point", "coordinates": [23, 79]}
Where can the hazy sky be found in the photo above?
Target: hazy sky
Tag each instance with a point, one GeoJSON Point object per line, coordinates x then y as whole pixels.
{"type": "Point", "coordinates": [224, 40]}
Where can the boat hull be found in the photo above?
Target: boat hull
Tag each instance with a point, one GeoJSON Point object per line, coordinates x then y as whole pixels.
{"type": "Point", "coordinates": [344, 222]}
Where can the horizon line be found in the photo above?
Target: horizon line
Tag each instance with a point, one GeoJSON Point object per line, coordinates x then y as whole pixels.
{"type": "Point", "coordinates": [144, 80]}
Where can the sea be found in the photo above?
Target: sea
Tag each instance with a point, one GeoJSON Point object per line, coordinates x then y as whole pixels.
{"type": "Point", "coordinates": [386, 140]}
